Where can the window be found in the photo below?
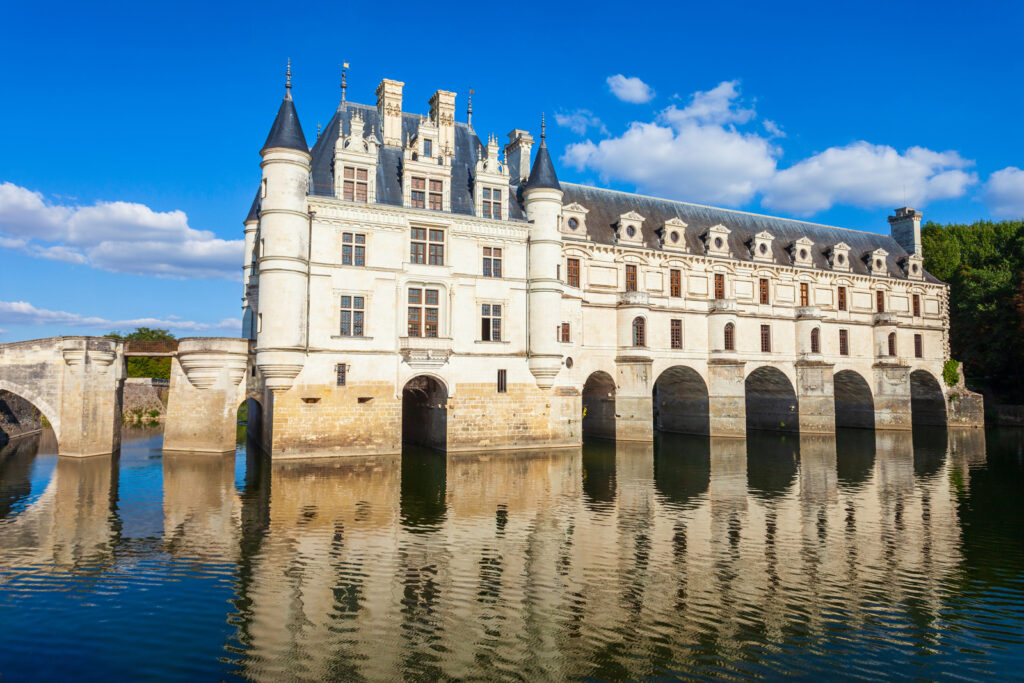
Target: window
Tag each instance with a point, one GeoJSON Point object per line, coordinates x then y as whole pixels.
{"type": "Point", "coordinates": [490, 322]}
{"type": "Point", "coordinates": [564, 335]}
{"type": "Point", "coordinates": [419, 193]}
{"type": "Point", "coordinates": [815, 340]}
{"type": "Point", "coordinates": [422, 312]}
{"type": "Point", "coordinates": [351, 316]}
{"type": "Point", "coordinates": [844, 342]}
{"type": "Point", "coordinates": [763, 290]}
{"type": "Point", "coordinates": [353, 249]}
{"type": "Point", "coordinates": [502, 381]}
{"type": "Point", "coordinates": [436, 190]}
{"type": "Point", "coordinates": [639, 332]}
{"type": "Point", "coordinates": [880, 301]}
{"type": "Point", "coordinates": [676, 333]}
{"type": "Point", "coordinates": [492, 262]}
{"type": "Point", "coordinates": [841, 298]}
{"type": "Point", "coordinates": [259, 323]}
{"type": "Point", "coordinates": [339, 370]}
{"type": "Point", "coordinates": [428, 147]}
{"type": "Point", "coordinates": [572, 268]}
{"type": "Point", "coordinates": [630, 278]}
{"type": "Point", "coordinates": [421, 245]}
{"type": "Point", "coordinates": [805, 294]}
{"type": "Point", "coordinates": [675, 282]}
{"type": "Point", "coordinates": [892, 343]}
{"type": "Point", "coordinates": [917, 305]}
{"type": "Point", "coordinates": [918, 346]}
{"type": "Point", "coordinates": [729, 334]}
{"type": "Point", "coordinates": [263, 189]}
{"type": "Point", "coordinates": [491, 203]}
{"type": "Point", "coordinates": [354, 184]}
{"type": "Point", "coordinates": [719, 286]}
{"type": "Point", "coordinates": [766, 339]}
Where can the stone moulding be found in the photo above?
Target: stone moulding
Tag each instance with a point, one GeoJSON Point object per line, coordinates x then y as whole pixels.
{"type": "Point", "coordinates": [425, 353]}
{"type": "Point", "coordinates": [204, 369]}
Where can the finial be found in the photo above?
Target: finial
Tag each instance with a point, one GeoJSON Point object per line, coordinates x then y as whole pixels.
{"type": "Point", "coordinates": [317, 130]}
{"type": "Point", "coordinates": [288, 80]}
{"type": "Point", "coordinates": [543, 128]}
{"type": "Point", "coordinates": [344, 82]}
{"type": "Point", "coordinates": [469, 109]}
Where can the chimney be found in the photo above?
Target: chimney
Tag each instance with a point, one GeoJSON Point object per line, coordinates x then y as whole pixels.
{"type": "Point", "coordinates": [442, 114]}
{"type": "Point", "coordinates": [389, 109]}
{"type": "Point", "coordinates": [517, 155]}
{"type": "Point", "coordinates": [905, 228]}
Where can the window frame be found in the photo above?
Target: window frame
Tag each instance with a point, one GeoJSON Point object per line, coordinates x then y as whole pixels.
{"type": "Point", "coordinates": [353, 249]}
{"type": "Point", "coordinates": [816, 340]}
{"type": "Point", "coordinates": [805, 294]}
{"type": "Point", "coordinates": [918, 345]}
{"type": "Point", "coordinates": [491, 262]}
{"type": "Point", "coordinates": [675, 333]}
{"type": "Point", "coordinates": [844, 342]}
{"type": "Point", "coordinates": [892, 344]}
{"type": "Point", "coordinates": [729, 337]}
{"type": "Point", "coordinates": [631, 277]}
{"type": "Point", "coordinates": [424, 310]}
{"type": "Point", "coordinates": [353, 310]}
{"type": "Point", "coordinates": [841, 302]}
{"type": "Point", "coordinates": [502, 381]}
{"type": "Point", "coordinates": [763, 294]}
{"type": "Point", "coordinates": [719, 281]}
{"type": "Point", "coordinates": [916, 305]}
{"type": "Point", "coordinates": [675, 282]}
{"type": "Point", "coordinates": [426, 249]}
{"type": "Point", "coordinates": [766, 338]}
{"type": "Point", "coordinates": [565, 333]}
{"type": "Point", "coordinates": [489, 332]}
{"type": "Point", "coordinates": [879, 301]}
{"type": "Point", "coordinates": [357, 184]}
{"type": "Point", "coordinates": [572, 272]}
{"type": "Point", "coordinates": [639, 332]}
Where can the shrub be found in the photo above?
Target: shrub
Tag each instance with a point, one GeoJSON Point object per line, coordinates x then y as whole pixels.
{"type": "Point", "coordinates": [949, 372]}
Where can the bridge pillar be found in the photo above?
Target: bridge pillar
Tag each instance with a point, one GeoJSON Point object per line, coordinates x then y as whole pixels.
{"type": "Point", "coordinates": [816, 397]}
{"type": "Point", "coordinates": [892, 396]}
{"type": "Point", "coordinates": [206, 389]}
{"type": "Point", "coordinates": [633, 403]}
{"type": "Point", "coordinates": [90, 396]}
{"type": "Point", "coordinates": [727, 398]}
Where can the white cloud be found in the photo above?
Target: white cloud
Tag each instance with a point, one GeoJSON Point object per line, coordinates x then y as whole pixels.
{"type": "Point", "coordinates": [630, 89]}
{"type": "Point", "coordinates": [868, 176]}
{"type": "Point", "coordinates": [717, 106]}
{"type": "Point", "coordinates": [773, 129]}
{"type": "Point", "coordinates": [1004, 193]}
{"type": "Point", "coordinates": [120, 237]}
{"type": "Point", "coordinates": [579, 120]}
{"type": "Point", "coordinates": [24, 313]}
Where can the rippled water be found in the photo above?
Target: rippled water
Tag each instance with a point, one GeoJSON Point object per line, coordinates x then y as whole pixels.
{"type": "Point", "coordinates": [863, 556]}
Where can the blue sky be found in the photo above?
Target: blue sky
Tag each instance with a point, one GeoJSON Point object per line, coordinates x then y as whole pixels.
{"type": "Point", "coordinates": [131, 132]}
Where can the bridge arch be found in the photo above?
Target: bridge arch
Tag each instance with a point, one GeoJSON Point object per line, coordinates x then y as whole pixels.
{"type": "Point", "coordinates": [599, 406]}
{"type": "Point", "coordinates": [680, 401]}
{"type": "Point", "coordinates": [855, 406]}
{"type": "Point", "coordinates": [36, 399]}
{"type": "Point", "coordinates": [771, 401]}
{"type": "Point", "coordinates": [927, 402]}
{"type": "Point", "coordinates": [425, 412]}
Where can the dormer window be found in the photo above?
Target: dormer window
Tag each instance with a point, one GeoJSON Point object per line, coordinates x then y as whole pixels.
{"type": "Point", "coordinates": [761, 247]}
{"type": "Point", "coordinates": [875, 261]}
{"type": "Point", "coordinates": [801, 252]}
{"type": "Point", "coordinates": [354, 185]}
{"type": "Point", "coordinates": [672, 234]}
{"type": "Point", "coordinates": [716, 241]}
{"type": "Point", "coordinates": [628, 228]}
{"type": "Point", "coordinates": [428, 147]}
{"type": "Point", "coordinates": [913, 268]}
{"type": "Point", "coordinates": [491, 206]}
{"type": "Point", "coordinates": [574, 217]}
{"type": "Point", "coordinates": [839, 257]}
{"type": "Point", "coordinates": [574, 223]}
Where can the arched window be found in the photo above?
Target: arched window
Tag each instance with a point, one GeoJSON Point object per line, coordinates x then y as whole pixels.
{"type": "Point", "coordinates": [730, 337]}
{"type": "Point", "coordinates": [639, 333]}
{"type": "Point", "coordinates": [892, 343]}
{"type": "Point", "coordinates": [815, 340]}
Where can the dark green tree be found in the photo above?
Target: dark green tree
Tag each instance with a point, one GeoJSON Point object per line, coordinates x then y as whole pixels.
{"type": "Point", "coordinates": [157, 368]}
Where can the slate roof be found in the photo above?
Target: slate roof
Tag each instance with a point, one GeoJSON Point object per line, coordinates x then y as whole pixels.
{"type": "Point", "coordinates": [468, 148]}
{"type": "Point", "coordinates": [605, 206]}
{"type": "Point", "coordinates": [286, 131]}
{"type": "Point", "coordinates": [543, 172]}
{"type": "Point", "coordinates": [254, 210]}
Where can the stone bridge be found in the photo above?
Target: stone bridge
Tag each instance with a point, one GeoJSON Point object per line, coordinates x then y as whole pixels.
{"type": "Point", "coordinates": [77, 384]}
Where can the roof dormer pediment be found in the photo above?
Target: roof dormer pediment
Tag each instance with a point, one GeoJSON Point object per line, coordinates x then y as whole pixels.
{"type": "Point", "coordinates": [801, 251]}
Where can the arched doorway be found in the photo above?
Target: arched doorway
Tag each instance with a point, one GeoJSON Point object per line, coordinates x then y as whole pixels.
{"type": "Point", "coordinates": [599, 406]}
{"type": "Point", "coordinates": [425, 413]}
{"type": "Point", "coordinates": [855, 406]}
{"type": "Point", "coordinates": [927, 403]}
{"type": "Point", "coordinates": [680, 401]}
{"type": "Point", "coordinates": [19, 416]}
{"type": "Point", "coordinates": [771, 401]}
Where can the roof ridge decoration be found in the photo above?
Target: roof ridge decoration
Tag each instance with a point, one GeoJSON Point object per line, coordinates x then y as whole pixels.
{"type": "Point", "coordinates": [543, 175]}
{"type": "Point", "coordinates": [286, 132]}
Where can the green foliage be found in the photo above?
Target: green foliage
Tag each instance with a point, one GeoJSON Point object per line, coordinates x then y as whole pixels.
{"type": "Point", "coordinates": [157, 368]}
{"type": "Point", "coordinates": [984, 266]}
{"type": "Point", "coordinates": [949, 372]}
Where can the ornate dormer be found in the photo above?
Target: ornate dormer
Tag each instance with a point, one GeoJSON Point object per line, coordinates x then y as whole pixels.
{"type": "Point", "coordinates": [426, 170]}
{"type": "Point", "coordinates": [442, 115]}
{"type": "Point", "coordinates": [913, 266]}
{"type": "Point", "coordinates": [490, 183]}
{"type": "Point", "coordinates": [355, 161]}
{"type": "Point", "coordinates": [672, 235]}
{"type": "Point", "coordinates": [875, 261]}
{"type": "Point", "coordinates": [761, 247]}
{"type": "Point", "coordinates": [716, 240]}
{"type": "Point", "coordinates": [574, 220]}
{"type": "Point", "coordinates": [839, 257]}
{"type": "Point", "coordinates": [801, 251]}
{"type": "Point", "coordinates": [628, 229]}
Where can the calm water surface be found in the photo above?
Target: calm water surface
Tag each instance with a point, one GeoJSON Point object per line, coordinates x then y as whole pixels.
{"type": "Point", "coordinates": [863, 556]}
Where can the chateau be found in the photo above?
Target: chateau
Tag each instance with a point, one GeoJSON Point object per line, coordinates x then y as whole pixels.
{"type": "Point", "coordinates": [406, 280]}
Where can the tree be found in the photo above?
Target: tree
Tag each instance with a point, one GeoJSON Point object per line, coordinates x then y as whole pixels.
{"type": "Point", "coordinates": [157, 368]}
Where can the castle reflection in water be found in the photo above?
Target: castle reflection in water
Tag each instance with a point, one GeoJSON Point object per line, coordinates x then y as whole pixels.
{"type": "Point", "coordinates": [617, 560]}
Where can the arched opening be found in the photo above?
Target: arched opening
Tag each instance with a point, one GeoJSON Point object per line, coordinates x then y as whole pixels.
{"type": "Point", "coordinates": [425, 413]}
{"type": "Point", "coordinates": [729, 337]}
{"type": "Point", "coordinates": [249, 423]}
{"type": "Point", "coordinates": [680, 400]}
{"type": "Point", "coordinates": [639, 332]}
{"type": "Point", "coordinates": [599, 406]}
{"type": "Point", "coordinates": [815, 340]}
{"type": "Point", "coordinates": [20, 416]}
{"type": "Point", "coordinates": [927, 403]}
{"type": "Point", "coordinates": [854, 405]}
{"type": "Point", "coordinates": [771, 401]}
{"type": "Point", "coordinates": [892, 344]}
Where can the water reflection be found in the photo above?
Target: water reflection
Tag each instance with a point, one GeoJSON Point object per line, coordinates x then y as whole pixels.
{"type": "Point", "coordinates": [788, 555]}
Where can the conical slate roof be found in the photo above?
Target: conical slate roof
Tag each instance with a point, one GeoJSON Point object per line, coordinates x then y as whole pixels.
{"type": "Point", "coordinates": [543, 172]}
{"type": "Point", "coordinates": [254, 210]}
{"type": "Point", "coordinates": [286, 131]}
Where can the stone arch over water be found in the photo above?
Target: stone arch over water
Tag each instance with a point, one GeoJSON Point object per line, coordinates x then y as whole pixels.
{"type": "Point", "coordinates": [855, 406]}
{"type": "Point", "coordinates": [425, 412]}
{"type": "Point", "coordinates": [599, 406]}
{"type": "Point", "coordinates": [680, 402]}
{"type": "Point", "coordinates": [13, 400]}
{"type": "Point", "coordinates": [927, 402]}
{"type": "Point", "coordinates": [771, 401]}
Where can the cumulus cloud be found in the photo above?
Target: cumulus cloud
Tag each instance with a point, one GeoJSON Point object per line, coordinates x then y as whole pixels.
{"type": "Point", "coordinates": [868, 176]}
{"type": "Point", "coordinates": [24, 313]}
{"type": "Point", "coordinates": [579, 121]}
{"type": "Point", "coordinates": [120, 237]}
{"type": "Point", "coordinates": [1004, 193]}
{"type": "Point", "coordinates": [630, 89]}
{"type": "Point", "coordinates": [710, 151]}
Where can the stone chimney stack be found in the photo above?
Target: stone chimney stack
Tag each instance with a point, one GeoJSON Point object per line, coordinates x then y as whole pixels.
{"type": "Point", "coordinates": [389, 109]}
{"type": "Point", "coordinates": [442, 114]}
{"type": "Point", "coordinates": [905, 228]}
{"type": "Point", "coordinates": [517, 155]}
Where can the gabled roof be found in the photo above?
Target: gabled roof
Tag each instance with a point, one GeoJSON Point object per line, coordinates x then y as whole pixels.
{"type": "Point", "coordinates": [543, 172]}
{"type": "Point", "coordinates": [286, 131]}
{"type": "Point", "coordinates": [606, 206]}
